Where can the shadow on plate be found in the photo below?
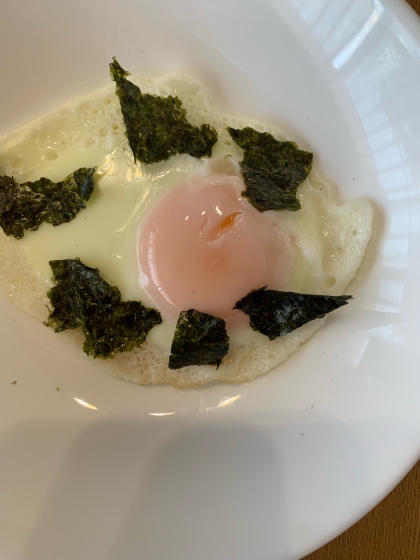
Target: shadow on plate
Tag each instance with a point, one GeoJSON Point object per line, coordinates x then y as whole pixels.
{"type": "Point", "coordinates": [134, 489]}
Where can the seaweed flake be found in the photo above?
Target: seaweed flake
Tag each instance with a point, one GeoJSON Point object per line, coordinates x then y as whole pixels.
{"type": "Point", "coordinates": [117, 329]}
{"type": "Point", "coordinates": [272, 170]}
{"type": "Point", "coordinates": [82, 298]}
{"type": "Point", "coordinates": [199, 339]}
{"type": "Point", "coordinates": [157, 127]}
{"type": "Point", "coordinates": [27, 205]}
{"type": "Point", "coordinates": [275, 314]}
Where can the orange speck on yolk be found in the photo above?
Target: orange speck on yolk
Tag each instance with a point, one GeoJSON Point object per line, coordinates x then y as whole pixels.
{"type": "Point", "coordinates": [225, 223]}
{"type": "Point", "coordinates": [228, 222]}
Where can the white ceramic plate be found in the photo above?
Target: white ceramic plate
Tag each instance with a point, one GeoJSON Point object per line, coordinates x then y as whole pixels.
{"type": "Point", "coordinates": [274, 469]}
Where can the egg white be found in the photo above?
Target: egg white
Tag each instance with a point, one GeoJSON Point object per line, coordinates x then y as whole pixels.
{"type": "Point", "coordinates": [327, 240]}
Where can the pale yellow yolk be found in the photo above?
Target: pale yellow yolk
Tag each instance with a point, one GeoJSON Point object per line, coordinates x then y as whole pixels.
{"type": "Point", "coordinates": [204, 247]}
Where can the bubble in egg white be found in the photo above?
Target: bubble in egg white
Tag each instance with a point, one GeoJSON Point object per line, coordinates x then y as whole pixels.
{"type": "Point", "coordinates": [328, 240]}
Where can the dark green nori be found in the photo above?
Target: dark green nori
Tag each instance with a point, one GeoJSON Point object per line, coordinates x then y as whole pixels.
{"type": "Point", "coordinates": [199, 339]}
{"type": "Point", "coordinates": [272, 170]}
{"type": "Point", "coordinates": [27, 205]}
{"type": "Point", "coordinates": [118, 328]}
{"type": "Point", "coordinates": [275, 314]}
{"type": "Point", "coordinates": [82, 298]}
{"type": "Point", "coordinates": [156, 127]}
{"type": "Point", "coordinates": [77, 287]}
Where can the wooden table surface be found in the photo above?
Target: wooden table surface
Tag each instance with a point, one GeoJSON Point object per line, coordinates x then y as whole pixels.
{"type": "Point", "coordinates": [391, 531]}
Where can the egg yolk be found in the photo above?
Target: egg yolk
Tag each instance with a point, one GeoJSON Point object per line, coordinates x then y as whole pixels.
{"type": "Point", "coordinates": [204, 247]}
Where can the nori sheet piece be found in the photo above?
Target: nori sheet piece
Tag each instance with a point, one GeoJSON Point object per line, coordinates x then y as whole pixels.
{"type": "Point", "coordinates": [272, 170]}
{"type": "Point", "coordinates": [156, 126]}
{"type": "Point", "coordinates": [82, 298]}
{"type": "Point", "coordinates": [199, 339]}
{"type": "Point", "coordinates": [275, 314]}
{"type": "Point", "coordinates": [118, 328]}
{"type": "Point", "coordinates": [27, 205]}
{"type": "Point", "coordinates": [77, 287]}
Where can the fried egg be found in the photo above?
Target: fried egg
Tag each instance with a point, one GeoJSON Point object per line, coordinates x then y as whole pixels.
{"type": "Point", "coordinates": [177, 234]}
